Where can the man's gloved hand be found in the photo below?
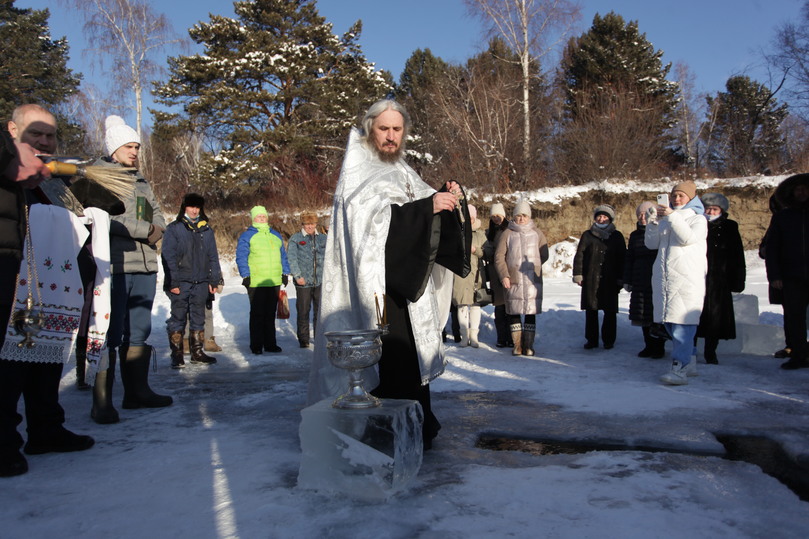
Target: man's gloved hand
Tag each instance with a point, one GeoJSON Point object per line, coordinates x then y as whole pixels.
{"type": "Point", "coordinates": [155, 233]}
{"type": "Point", "coordinates": [246, 282]}
{"type": "Point", "coordinates": [285, 279]}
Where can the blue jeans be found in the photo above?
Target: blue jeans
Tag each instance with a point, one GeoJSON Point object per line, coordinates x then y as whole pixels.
{"type": "Point", "coordinates": [131, 316]}
{"type": "Point", "coordinates": [682, 338]}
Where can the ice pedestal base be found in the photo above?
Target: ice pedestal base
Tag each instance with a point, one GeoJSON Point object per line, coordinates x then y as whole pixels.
{"type": "Point", "coordinates": [367, 454]}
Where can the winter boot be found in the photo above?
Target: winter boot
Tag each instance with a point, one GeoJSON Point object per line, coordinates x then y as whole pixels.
{"type": "Point", "coordinates": [198, 355]}
{"type": "Point", "coordinates": [474, 326]}
{"type": "Point", "coordinates": [463, 324]}
{"type": "Point", "coordinates": [528, 334]}
{"type": "Point", "coordinates": [677, 376]}
{"type": "Point", "coordinates": [473, 338]}
{"type": "Point", "coordinates": [176, 343]}
{"type": "Point", "coordinates": [516, 336]}
{"type": "Point", "coordinates": [81, 363]}
{"type": "Point", "coordinates": [135, 376]}
{"type": "Point", "coordinates": [212, 346]}
{"type": "Point", "coordinates": [103, 412]}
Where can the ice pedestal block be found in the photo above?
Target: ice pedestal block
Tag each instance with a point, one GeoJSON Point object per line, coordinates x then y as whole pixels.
{"type": "Point", "coordinates": [367, 454]}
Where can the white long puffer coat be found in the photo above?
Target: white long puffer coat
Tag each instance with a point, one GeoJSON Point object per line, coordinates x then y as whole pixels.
{"type": "Point", "coordinates": [520, 253]}
{"type": "Point", "coordinates": [678, 275]}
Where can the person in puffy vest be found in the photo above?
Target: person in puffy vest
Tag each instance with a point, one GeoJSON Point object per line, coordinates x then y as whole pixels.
{"type": "Point", "coordinates": [305, 251]}
{"type": "Point", "coordinates": [192, 272]}
{"type": "Point", "coordinates": [263, 265]}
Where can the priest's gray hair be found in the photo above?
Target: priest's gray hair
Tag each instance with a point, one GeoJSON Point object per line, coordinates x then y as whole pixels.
{"type": "Point", "coordinates": [378, 108]}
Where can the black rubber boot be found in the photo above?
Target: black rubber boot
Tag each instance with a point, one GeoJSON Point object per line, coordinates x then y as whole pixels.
{"type": "Point", "coordinates": [135, 376]}
{"type": "Point", "coordinates": [176, 343]}
{"type": "Point", "coordinates": [103, 411]}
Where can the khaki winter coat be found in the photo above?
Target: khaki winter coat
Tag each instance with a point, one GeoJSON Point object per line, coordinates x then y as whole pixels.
{"type": "Point", "coordinates": [520, 253]}
{"type": "Point", "coordinates": [463, 288]}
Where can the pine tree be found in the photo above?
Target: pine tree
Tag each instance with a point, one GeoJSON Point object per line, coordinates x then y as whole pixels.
{"type": "Point", "coordinates": [33, 67]}
{"type": "Point", "coordinates": [743, 132]}
{"type": "Point", "coordinates": [273, 87]}
{"type": "Point", "coordinates": [616, 94]}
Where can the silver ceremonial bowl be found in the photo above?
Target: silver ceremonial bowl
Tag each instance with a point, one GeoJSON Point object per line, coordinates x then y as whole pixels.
{"type": "Point", "coordinates": [354, 350]}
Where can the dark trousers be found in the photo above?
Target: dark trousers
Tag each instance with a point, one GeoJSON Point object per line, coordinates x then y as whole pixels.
{"type": "Point", "coordinates": [608, 327]}
{"type": "Point", "coordinates": [263, 304]}
{"type": "Point", "coordinates": [38, 384]}
{"type": "Point", "coordinates": [308, 299]}
{"type": "Point", "coordinates": [796, 298]}
{"type": "Point", "coordinates": [189, 305]}
{"type": "Point", "coordinates": [501, 325]}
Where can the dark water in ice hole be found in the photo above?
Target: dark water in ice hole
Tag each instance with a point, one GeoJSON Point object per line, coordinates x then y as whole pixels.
{"type": "Point", "coordinates": [759, 450]}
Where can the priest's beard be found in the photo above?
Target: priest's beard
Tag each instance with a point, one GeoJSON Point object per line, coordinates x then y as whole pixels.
{"type": "Point", "coordinates": [390, 157]}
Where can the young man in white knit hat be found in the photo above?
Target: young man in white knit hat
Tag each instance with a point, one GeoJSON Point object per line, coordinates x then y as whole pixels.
{"type": "Point", "coordinates": [133, 256]}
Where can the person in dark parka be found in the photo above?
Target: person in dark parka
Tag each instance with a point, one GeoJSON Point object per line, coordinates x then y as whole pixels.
{"type": "Point", "coordinates": [598, 268]}
{"type": "Point", "coordinates": [726, 274]}
{"type": "Point", "coordinates": [787, 259]}
{"type": "Point", "coordinates": [638, 266]}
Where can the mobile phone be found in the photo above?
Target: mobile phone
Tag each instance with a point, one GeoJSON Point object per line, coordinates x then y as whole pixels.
{"type": "Point", "coordinates": [663, 200]}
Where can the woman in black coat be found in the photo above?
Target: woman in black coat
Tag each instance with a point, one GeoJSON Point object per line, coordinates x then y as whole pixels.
{"type": "Point", "coordinates": [598, 268]}
{"type": "Point", "coordinates": [638, 281]}
{"type": "Point", "coordinates": [726, 274]}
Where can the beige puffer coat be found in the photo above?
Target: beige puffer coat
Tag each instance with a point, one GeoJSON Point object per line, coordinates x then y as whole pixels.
{"type": "Point", "coordinates": [520, 253]}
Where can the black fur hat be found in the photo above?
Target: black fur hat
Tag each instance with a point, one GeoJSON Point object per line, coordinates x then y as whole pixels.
{"type": "Point", "coordinates": [195, 201]}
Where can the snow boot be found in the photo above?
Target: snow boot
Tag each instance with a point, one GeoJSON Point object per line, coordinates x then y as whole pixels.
{"type": "Point", "coordinates": [198, 355]}
{"type": "Point", "coordinates": [103, 412]}
{"type": "Point", "coordinates": [463, 324]}
{"type": "Point", "coordinates": [212, 346]}
{"type": "Point", "coordinates": [677, 376]}
{"type": "Point", "coordinates": [528, 334]}
{"type": "Point", "coordinates": [176, 343]}
{"type": "Point", "coordinates": [473, 338]}
{"type": "Point", "coordinates": [516, 336]}
{"type": "Point", "coordinates": [135, 376]}
{"type": "Point", "coordinates": [81, 363]}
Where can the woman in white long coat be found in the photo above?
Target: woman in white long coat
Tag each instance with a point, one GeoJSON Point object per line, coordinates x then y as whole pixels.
{"type": "Point", "coordinates": [680, 233]}
{"type": "Point", "coordinates": [519, 256]}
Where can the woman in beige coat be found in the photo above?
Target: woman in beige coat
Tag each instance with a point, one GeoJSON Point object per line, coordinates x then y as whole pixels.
{"type": "Point", "coordinates": [518, 258]}
{"type": "Point", "coordinates": [463, 289]}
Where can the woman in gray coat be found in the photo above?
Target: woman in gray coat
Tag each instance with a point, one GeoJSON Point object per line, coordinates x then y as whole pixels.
{"type": "Point", "coordinates": [518, 258]}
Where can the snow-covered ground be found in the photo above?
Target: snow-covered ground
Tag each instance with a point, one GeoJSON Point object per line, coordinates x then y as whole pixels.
{"type": "Point", "coordinates": [223, 460]}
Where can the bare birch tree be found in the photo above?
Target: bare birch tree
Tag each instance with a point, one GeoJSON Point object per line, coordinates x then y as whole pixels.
{"type": "Point", "coordinates": [531, 28]}
{"type": "Point", "coordinates": [127, 33]}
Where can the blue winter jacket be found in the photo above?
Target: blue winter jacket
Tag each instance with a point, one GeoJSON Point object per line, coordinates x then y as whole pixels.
{"type": "Point", "coordinates": [189, 254]}
{"type": "Point", "coordinates": [306, 253]}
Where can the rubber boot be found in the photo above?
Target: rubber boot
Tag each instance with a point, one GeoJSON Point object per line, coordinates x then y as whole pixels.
{"type": "Point", "coordinates": [176, 342]}
{"type": "Point", "coordinates": [81, 363]}
{"type": "Point", "coordinates": [528, 335]}
{"type": "Point", "coordinates": [516, 336]}
{"type": "Point", "coordinates": [103, 412]}
{"type": "Point", "coordinates": [135, 376]}
{"type": "Point", "coordinates": [196, 340]}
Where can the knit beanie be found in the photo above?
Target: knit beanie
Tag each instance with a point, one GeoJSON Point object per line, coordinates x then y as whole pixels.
{"type": "Point", "coordinates": [715, 199]}
{"type": "Point", "coordinates": [498, 209]}
{"type": "Point", "coordinates": [522, 208]}
{"type": "Point", "coordinates": [606, 209]}
{"type": "Point", "coordinates": [256, 211]}
{"type": "Point", "coordinates": [688, 187]}
{"type": "Point", "coordinates": [643, 207]}
{"type": "Point", "coordinates": [118, 133]}
{"type": "Point", "coordinates": [473, 211]}
{"type": "Point", "coordinates": [308, 218]}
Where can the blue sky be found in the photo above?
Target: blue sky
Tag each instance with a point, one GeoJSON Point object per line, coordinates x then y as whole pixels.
{"type": "Point", "coordinates": [715, 38]}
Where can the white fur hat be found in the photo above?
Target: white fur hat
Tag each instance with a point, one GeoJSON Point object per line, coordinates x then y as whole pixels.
{"type": "Point", "coordinates": [118, 134]}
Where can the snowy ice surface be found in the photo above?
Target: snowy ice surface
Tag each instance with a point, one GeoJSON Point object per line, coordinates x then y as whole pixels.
{"type": "Point", "coordinates": [223, 460]}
